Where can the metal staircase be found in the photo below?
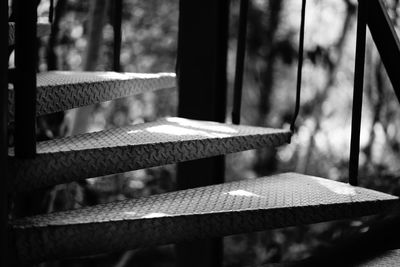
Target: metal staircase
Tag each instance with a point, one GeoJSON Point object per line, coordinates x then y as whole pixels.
{"type": "Point", "coordinates": [276, 201]}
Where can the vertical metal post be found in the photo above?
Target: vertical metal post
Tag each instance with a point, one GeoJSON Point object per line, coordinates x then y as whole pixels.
{"type": "Point", "coordinates": [25, 84]}
{"type": "Point", "coordinates": [117, 34]}
{"type": "Point", "coordinates": [240, 59]}
{"type": "Point", "coordinates": [3, 132]}
{"type": "Point", "coordinates": [299, 65]}
{"type": "Point", "coordinates": [358, 91]}
{"type": "Point", "coordinates": [201, 70]}
{"type": "Point", "coordinates": [51, 11]}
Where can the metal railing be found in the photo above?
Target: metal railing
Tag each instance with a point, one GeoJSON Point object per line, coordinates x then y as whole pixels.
{"type": "Point", "coordinates": [372, 13]}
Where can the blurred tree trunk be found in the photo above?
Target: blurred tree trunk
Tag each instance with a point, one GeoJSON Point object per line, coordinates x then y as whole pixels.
{"type": "Point", "coordinates": [55, 28]}
{"type": "Point", "coordinates": [263, 41]}
{"type": "Point", "coordinates": [263, 25]}
{"type": "Point", "coordinates": [97, 19]}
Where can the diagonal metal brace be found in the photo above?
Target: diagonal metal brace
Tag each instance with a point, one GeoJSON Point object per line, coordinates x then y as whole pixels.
{"type": "Point", "coordinates": [386, 40]}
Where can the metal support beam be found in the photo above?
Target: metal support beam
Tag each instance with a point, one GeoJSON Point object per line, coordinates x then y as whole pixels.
{"type": "Point", "coordinates": [117, 23]}
{"type": "Point", "coordinates": [386, 41]}
{"type": "Point", "coordinates": [201, 70]}
{"type": "Point", "coordinates": [25, 84]}
{"type": "Point", "coordinates": [358, 91]}
{"type": "Point", "coordinates": [3, 132]}
{"type": "Point", "coordinates": [240, 61]}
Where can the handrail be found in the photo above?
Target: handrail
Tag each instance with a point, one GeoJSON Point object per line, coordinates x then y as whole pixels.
{"type": "Point", "coordinates": [386, 41]}
{"type": "Point", "coordinates": [372, 13]}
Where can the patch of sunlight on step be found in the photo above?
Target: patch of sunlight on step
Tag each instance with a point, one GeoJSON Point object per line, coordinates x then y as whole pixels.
{"type": "Point", "coordinates": [202, 125]}
{"type": "Point", "coordinates": [110, 75]}
{"type": "Point", "coordinates": [337, 188]}
{"type": "Point", "coordinates": [130, 213]}
{"type": "Point", "coordinates": [155, 215]}
{"type": "Point", "coordinates": [242, 193]}
{"type": "Point", "coordinates": [191, 128]}
{"type": "Point", "coordinates": [177, 130]}
{"type": "Point", "coordinates": [151, 215]}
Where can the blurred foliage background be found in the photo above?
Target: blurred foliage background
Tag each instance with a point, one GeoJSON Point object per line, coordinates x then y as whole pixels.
{"type": "Point", "coordinates": [82, 39]}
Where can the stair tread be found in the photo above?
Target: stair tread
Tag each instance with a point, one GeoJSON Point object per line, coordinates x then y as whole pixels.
{"type": "Point", "coordinates": [249, 205]}
{"type": "Point", "coordinates": [43, 29]}
{"type": "Point", "coordinates": [387, 259]}
{"type": "Point", "coordinates": [62, 90]}
{"type": "Point", "coordinates": [166, 141]}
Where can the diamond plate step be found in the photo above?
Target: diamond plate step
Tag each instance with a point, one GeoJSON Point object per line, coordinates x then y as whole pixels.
{"type": "Point", "coordinates": [43, 29]}
{"type": "Point", "coordinates": [62, 90]}
{"type": "Point", "coordinates": [165, 141]}
{"type": "Point", "coordinates": [387, 259]}
{"type": "Point", "coordinates": [249, 205]}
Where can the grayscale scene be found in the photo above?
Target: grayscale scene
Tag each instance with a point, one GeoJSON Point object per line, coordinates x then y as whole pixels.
{"type": "Point", "coordinates": [220, 133]}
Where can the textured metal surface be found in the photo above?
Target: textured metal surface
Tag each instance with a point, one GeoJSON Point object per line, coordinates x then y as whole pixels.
{"type": "Point", "coordinates": [388, 259]}
{"type": "Point", "coordinates": [166, 141]}
{"type": "Point", "coordinates": [62, 90]}
{"type": "Point", "coordinates": [43, 29]}
{"type": "Point", "coordinates": [230, 208]}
